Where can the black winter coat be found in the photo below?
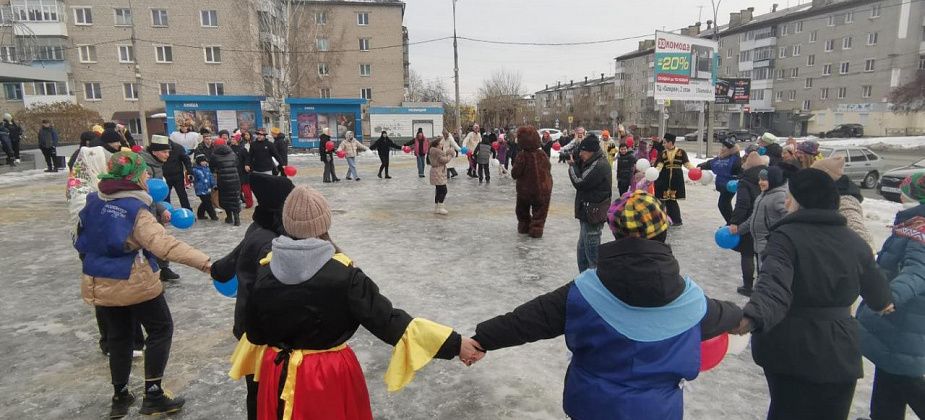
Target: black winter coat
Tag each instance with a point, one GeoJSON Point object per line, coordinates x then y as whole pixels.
{"type": "Point", "coordinates": [383, 145]}
{"type": "Point", "coordinates": [202, 149]}
{"type": "Point", "coordinates": [262, 154]}
{"type": "Point", "coordinates": [244, 158]}
{"type": "Point", "coordinates": [177, 163]}
{"type": "Point", "coordinates": [812, 270]}
{"type": "Point", "coordinates": [282, 149]}
{"type": "Point", "coordinates": [592, 180]}
{"type": "Point", "coordinates": [746, 195]}
{"type": "Point", "coordinates": [14, 129]}
{"type": "Point", "coordinates": [626, 166]}
{"type": "Point", "coordinates": [639, 272]}
{"type": "Point", "coordinates": [224, 163]}
{"type": "Point", "coordinates": [325, 155]}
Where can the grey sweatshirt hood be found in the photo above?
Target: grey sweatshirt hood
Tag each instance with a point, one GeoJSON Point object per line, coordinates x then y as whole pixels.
{"type": "Point", "coordinates": [297, 260]}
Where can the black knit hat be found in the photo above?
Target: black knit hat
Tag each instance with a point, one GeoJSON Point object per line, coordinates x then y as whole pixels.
{"type": "Point", "coordinates": [590, 144]}
{"type": "Point", "coordinates": [670, 137]}
{"type": "Point", "coordinates": [773, 175]}
{"type": "Point", "coordinates": [271, 191]}
{"type": "Point", "coordinates": [814, 189]}
{"type": "Point", "coordinates": [729, 143]}
{"type": "Point", "coordinates": [111, 136]}
{"type": "Point", "coordinates": [109, 125]}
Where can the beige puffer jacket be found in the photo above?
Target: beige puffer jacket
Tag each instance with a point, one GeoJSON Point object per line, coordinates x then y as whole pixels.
{"type": "Point", "coordinates": [351, 147]}
{"type": "Point", "coordinates": [850, 207]}
{"type": "Point", "coordinates": [439, 157]}
{"type": "Point", "coordinates": [143, 283]}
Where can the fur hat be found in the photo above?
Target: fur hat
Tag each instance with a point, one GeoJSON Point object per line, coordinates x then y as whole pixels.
{"type": "Point", "coordinates": [752, 160]}
{"type": "Point", "coordinates": [809, 147]}
{"type": "Point", "coordinates": [913, 188]}
{"type": "Point", "coordinates": [205, 132]}
{"type": "Point", "coordinates": [158, 143]}
{"type": "Point", "coordinates": [111, 136]}
{"type": "Point", "coordinates": [766, 139]}
{"type": "Point", "coordinates": [814, 189]}
{"type": "Point", "coordinates": [637, 214]}
{"type": "Point", "coordinates": [590, 144]}
{"type": "Point", "coordinates": [527, 138]}
{"type": "Point", "coordinates": [670, 137]}
{"type": "Point", "coordinates": [109, 125]}
{"type": "Point", "coordinates": [274, 131]}
{"type": "Point", "coordinates": [834, 166]}
{"type": "Point", "coordinates": [306, 213]}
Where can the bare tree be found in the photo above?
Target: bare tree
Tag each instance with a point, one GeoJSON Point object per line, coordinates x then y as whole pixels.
{"type": "Point", "coordinates": [69, 119]}
{"type": "Point", "coordinates": [420, 90]}
{"type": "Point", "coordinates": [499, 97]}
{"type": "Point", "coordinates": [910, 98]}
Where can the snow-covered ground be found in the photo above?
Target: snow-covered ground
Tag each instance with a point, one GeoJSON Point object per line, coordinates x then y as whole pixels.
{"type": "Point", "coordinates": [878, 143]}
{"type": "Point", "coordinates": [458, 270]}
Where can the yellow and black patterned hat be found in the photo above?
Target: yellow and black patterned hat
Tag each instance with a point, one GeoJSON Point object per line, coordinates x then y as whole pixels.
{"type": "Point", "coordinates": [638, 215]}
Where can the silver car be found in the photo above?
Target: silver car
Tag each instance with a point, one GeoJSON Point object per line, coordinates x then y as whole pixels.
{"type": "Point", "coordinates": [861, 165]}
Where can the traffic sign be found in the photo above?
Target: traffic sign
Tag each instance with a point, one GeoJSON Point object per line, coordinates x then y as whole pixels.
{"type": "Point", "coordinates": [570, 119]}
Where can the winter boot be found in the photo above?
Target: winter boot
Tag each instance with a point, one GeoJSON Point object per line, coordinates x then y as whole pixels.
{"type": "Point", "coordinates": [436, 208]}
{"type": "Point", "coordinates": [121, 401]}
{"type": "Point", "coordinates": [237, 218]}
{"type": "Point", "coordinates": [441, 209]}
{"type": "Point", "coordinates": [168, 275]}
{"type": "Point", "coordinates": [536, 232]}
{"type": "Point", "coordinates": [158, 402]}
{"type": "Point", "coordinates": [523, 227]}
{"type": "Point", "coordinates": [228, 218]}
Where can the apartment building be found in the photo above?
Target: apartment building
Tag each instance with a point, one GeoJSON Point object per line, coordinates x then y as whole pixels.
{"type": "Point", "coordinates": [589, 103]}
{"type": "Point", "coordinates": [119, 56]}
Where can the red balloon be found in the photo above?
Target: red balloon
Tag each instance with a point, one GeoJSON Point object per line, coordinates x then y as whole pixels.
{"type": "Point", "coordinates": [329, 146]}
{"type": "Point", "coordinates": [556, 146]}
{"type": "Point", "coordinates": [341, 154]}
{"type": "Point", "coordinates": [289, 170]}
{"type": "Point", "coordinates": [695, 174]}
{"type": "Point", "coordinates": [72, 182]}
{"type": "Point", "coordinates": [136, 148]}
{"type": "Point", "coordinates": [712, 351]}
{"type": "Point", "coordinates": [469, 153]}
{"type": "Point", "coordinates": [629, 141]}
{"type": "Point", "coordinates": [406, 149]}
{"type": "Point", "coordinates": [496, 146]}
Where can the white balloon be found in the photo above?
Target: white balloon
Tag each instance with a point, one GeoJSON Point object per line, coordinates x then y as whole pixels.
{"type": "Point", "coordinates": [642, 165]}
{"type": "Point", "coordinates": [651, 174]}
{"type": "Point", "coordinates": [707, 178]}
{"type": "Point", "coordinates": [737, 343]}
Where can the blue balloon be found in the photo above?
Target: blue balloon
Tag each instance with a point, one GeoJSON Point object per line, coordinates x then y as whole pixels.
{"type": "Point", "coordinates": [167, 206]}
{"type": "Point", "coordinates": [158, 189]}
{"type": "Point", "coordinates": [228, 288]}
{"type": "Point", "coordinates": [464, 150]}
{"type": "Point", "coordinates": [762, 150]}
{"type": "Point", "coordinates": [182, 218]}
{"type": "Point", "coordinates": [732, 186]}
{"type": "Point", "coordinates": [726, 239]}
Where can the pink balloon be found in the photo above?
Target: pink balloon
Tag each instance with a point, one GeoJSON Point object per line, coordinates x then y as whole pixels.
{"type": "Point", "coordinates": [72, 182]}
{"type": "Point", "coordinates": [695, 174]}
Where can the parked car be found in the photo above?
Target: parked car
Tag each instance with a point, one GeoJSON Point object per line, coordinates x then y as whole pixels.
{"type": "Point", "coordinates": [741, 135]}
{"type": "Point", "coordinates": [889, 182]}
{"type": "Point", "coordinates": [692, 136]}
{"type": "Point", "coordinates": [845, 131]}
{"type": "Point", "coordinates": [861, 165]}
{"type": "Point", "coordinates": [555, 133]}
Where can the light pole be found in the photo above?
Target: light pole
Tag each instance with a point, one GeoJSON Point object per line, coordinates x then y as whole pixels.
{"type": "Point", "coordinates": [143, 122]}
{"type": "Point", "coordinates": [712, 105]}
{"type": "Point", "coordinates": [456, 71]}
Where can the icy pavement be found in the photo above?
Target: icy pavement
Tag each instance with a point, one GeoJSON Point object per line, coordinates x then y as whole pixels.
{"type": "Point", "coordinates": [457, 270]}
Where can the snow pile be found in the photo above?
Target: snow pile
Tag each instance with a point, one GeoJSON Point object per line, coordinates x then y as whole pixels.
{"type": "Point", "coordinates": [876, 143]}
{"type": "Point", "coordinates": [880, 215]}
{"type": "Point", "coordinates": [23, 177]}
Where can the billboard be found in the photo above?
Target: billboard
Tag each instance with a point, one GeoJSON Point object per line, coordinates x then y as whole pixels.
{"type": "Point", "coordinates": [733, 91]}
{"type": "Point", "coordinates": [684, 67]}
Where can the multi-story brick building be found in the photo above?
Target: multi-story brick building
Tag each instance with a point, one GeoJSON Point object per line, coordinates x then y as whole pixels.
{"type": "Point", "coordinates": [590, 103]}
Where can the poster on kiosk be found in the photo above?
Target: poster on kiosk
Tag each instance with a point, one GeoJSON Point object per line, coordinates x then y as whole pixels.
{"type": "Point", "coordinates": [685, 67]}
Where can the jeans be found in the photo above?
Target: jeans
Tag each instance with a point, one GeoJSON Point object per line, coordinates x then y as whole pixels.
{"type": "Point", "coordinates": [329, 174]}
{"type": "Point", "coordinates": [352, 168]}
{"type": "Point", "coordinates": [589, 239]}
{"type": "Point", "coordinates": [893, 392]}
{"type": "Point", "coordinates": [154, 316]}
{"type": "Point", "coordinates": [421, 161]}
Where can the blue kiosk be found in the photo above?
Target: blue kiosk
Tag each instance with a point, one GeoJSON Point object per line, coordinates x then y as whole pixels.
{"type": "Point", "coordinates": [213, 112]}
{"type": "Point", "coordinates": [310, 116]}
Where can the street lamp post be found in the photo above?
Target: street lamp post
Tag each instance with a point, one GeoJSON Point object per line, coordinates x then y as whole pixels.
{"type": "Point", "coordinates": [456, 71]}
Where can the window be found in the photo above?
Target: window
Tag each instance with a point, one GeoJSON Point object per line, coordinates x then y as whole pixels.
{"type": "Point", "coordinates": [134, 126]}
{"type": "Point", "coordinates": [8, 55]}
{"type": "Point", "coordinates": [826, 69]}
{"type": "Point", "coordinates": [922, 62]}
{"type": "Point", "coordinates": [783, 29]}
{"type": "Point", "coordinates": [779, 96]}
{"type": "Point", "coordinates": [809, 82]}
{"type": "Point", "coordinates": [159, 17]}
{"type": "Point", "coordinates": [745, 56]}
{"type": "Point", "coordinates": [756, 95]}
{"type": "Point", "coordinates": [126, 54]}
{"type": "Point", "coordinates": [866, 91]}
{"type": "Point", "coordinates": [872, 38]}
{"type": "Point", "coordinates": [213, 54]}
{"type": "Point", "coordinates": [130, 91]}
{"type": "Point", "coordinates": [844, 68]}
{"type": "Point", "coordinates": [875, 11]}
{"type": "Point", "coordinates": [363, 18]}
{"type": "Point", "coordinates": [849, 17]}
{"type": "Point", "coordinates": [92, 91]}
{"type": "Point", "coordinates": [163, 54]}
{"type": "Point", "coordinates": [729, 53]}
{"type": "Point", "coordinates": [782, 52]}
{"type": "Point", "coordinates": [12, 91]}
{"type": "Point", "coordinates": [761, 73]}
{"type": "Point", "coordinates": [366, 93]}
{"type": "Point", "coordinates": [806, 105]}
{"type": "Point", "coordinates": [831, 20]}
{"type": "Point", "coordinates": [50, 88]}
{"type": "Point", "coordinates": [321, 18]}
{"type": "Point", "coordinates": [322, 69]}
{"type": "Point", "coordinates": [321, 44]}
{"type": "Point", "coordinates": [842, 92]}
{"type": "Point", "coordinates": [780, 73]}
{"type": "Point", "coordinates": [869, 64]}
{"type": "Point", "coordinates": [35, 10]}
{"type": "Point", "coordinates": [216, 89]}
{"type": "Point", "coordinates": [325, 93]}
{"type": "Point", "coordinates": [794, 72]}
{"type": "Point", "coordinates": [208, 18]}
{"type": "Point", "coordinates": [48, 53]}
{"type": "Point", "coordinates": [86, 53]}
{"type": "Point", "coordinates": [364, 44]}
{"type": "Point", "coordinates": [365, 69]}
{"type": "Point", "coordinates": [812, 36]}
{"type": "Point", "coordinates": [846, 42]}
{"type": "Point", "coordinates": [824, 94]}
{"type": "Point", "coordinates": [811, 60]}
{"type": "Point", "coordinates": [793, 95]}
{"type": "Point", "coordinates": [123, 17]}
{"type": "Point", "coordinates": [83, 16]}
{"type": "Point", "coordinates": [798, 27]}
{"type": "Point", "coordinates": [829, 45]}
{"type": "Point", "coordinates": [795, 50]}
{"type": "Point", "coordinates": [168, 88]}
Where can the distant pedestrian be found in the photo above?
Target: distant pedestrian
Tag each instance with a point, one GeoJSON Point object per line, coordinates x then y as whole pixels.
{"type": "Point", "coordinates": [451, 142]}
{"type": "Point", "coordinates": [263, 156]}
{"type": "Point", "coordinates": [15, 135]}
{"type": "Point", "coordinates": [669, 187]}
{"type": "Point", "coordinates": [419, 147]}
{"type": "Point", "coordinates": [483, 155]}
{"type": "Point", "coordinates": [440, 154]}
{"type": "Point", "coordinates": [282, 148]}
{"type": "Point", "coordinates": [327, 156]}
{"type": "Point", "coordinates": [351, 147]}
{"type": "Point", "coordinates": [726, 167]}
{"type": "Point", "coordinates": [591, 176]}
{"type": "Point", "coordinates": [244, 169]}
{"type": "Point", "coordinates": [625, 163]}
{"type": "Point", "coordinates": [225, 164]}
{"type": "Point", "coordinates": [473, 138]}
{"type": "Point", "coordinates": [185, 138]}
{"type": "Point", "coordinates": [384, 146]}
{"type": "Point", "coordinates": [48, 144]}
{"type": "Point", "coordinates": [204, 183]}
{"type": "Point", "coordinates": [204, 147]}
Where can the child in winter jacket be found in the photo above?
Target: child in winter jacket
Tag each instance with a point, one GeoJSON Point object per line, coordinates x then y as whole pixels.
{"type": "Point", "coordinates": [726, 167]}
{"type": "Point", "coordinates": [769, 207]}
{"type": "Point", "coordinates": [483, 154]}
{"type": "Point", "coordinates": [625, 167]}
{"type": "Point", "coordinates": [633, 324]}
{"type": "Point", "coordinates": [204, 182]}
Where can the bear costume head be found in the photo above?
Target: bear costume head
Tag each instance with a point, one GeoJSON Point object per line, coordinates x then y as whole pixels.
{"type": "Point", "coordinates": [528, 138]}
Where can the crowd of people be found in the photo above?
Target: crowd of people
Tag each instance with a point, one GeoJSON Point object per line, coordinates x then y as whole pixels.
{"type": "Point", "coordinates": [632, 323]}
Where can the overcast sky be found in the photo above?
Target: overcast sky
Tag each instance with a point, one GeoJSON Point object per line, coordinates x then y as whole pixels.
{"type": "Point", "coordinates": [545, 21]}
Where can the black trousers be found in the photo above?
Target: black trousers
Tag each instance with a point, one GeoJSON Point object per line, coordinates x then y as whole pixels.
{"type": "Point", "coordinates": [138, 338]}
{"type": "Point", "coordinates": [384, 165]}
{"type": "Point", "coordinates": [16, 145]}
{"type": "Point", "coordinates": [154, 316]}
{"type": "Point", "coordinates": [50, 154]}
{"type": "Point", "coordinates": [673, 210]}
{"type": "Point", "coordinates": [623, 185]}
{"type": "Point", "coordinates": [747, 258]}
{"type": "Point", "coordinates": [252, 389]}
{"type": "Point", "coordinates": [329, 174]}
{"type": "Point", "coordinates": [725, 204]}
{"type": "Point", "coordinates": [483, 171]}
{"type": "Point", "coordinates": [440, 194]}
{"type": "Point", "coordinates": [180, 187]}
{"type": "Point", "coordinates": [205, 207]}
{"type": "Point", "coordinates": [892, 393]}
{"type": "Point", "coordinates": [795, 398]}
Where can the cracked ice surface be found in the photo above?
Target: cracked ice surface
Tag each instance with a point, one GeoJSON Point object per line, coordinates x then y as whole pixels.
{"type": "Point", "coordinates": [456, 270]}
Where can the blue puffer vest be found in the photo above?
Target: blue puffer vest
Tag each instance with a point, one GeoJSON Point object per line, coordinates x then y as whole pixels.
{"type": "Point", "coordinates": [896, 342]}
{"type": "Point", "coordinates": [722, 170]}
{"type": "Point", "coordinates": [629, 362]}
{"type": "Point", "coordinates": [105, 226]}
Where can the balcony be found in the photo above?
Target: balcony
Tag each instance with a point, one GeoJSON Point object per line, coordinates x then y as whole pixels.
{"type": "Point", "coordinates": [746, 65]}
{"type": "Point", "coordinates": [763, 84]}
{"type": "Point", "coordinates": [758, 43]}
{"type": "Point", "coordinates": [766, 62]}
{"type": "Point", "coordinates": [44, 21]}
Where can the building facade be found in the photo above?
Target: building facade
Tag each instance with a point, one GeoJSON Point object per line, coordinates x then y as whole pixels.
{"type": "Point", "coordinates": [590, 103]}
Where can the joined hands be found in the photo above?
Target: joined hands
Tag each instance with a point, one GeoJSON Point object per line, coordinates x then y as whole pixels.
{"type": "Point", "coordinates": [470, 351]}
